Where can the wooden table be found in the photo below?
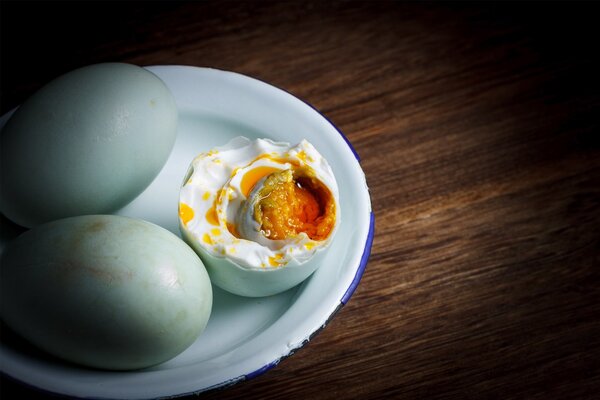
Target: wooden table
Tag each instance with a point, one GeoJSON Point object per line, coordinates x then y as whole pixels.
{"type": "Point", "coordinates": [477, 126]}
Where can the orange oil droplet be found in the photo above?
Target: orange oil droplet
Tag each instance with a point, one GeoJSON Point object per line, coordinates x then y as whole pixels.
{"type": "Point", "coordinates": [253, 176]}
{"type": "Point", "coordinates": [207, 239]}
{"type": "Point", "coordinates": [274, 261]}
{"type": "Point", "coordinates": [186, 213]}
{"type": "Point", "coordinates": [309, 245]}
{"type": "Point", "coordinates": [233, 230]}
{"type": "Point", "coordinates": [301, 155]}
{"type": "Point", "coordinates": [211, 216]}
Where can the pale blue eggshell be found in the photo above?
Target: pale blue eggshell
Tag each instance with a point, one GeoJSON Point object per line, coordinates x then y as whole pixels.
{"type": "Point", "coordinates": [88, 142]}
{"type": "Point", "coordinates": [105, 291]}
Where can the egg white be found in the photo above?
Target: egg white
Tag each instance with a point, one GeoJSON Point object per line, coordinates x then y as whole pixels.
{"type": "Point", "coordinates": [216, 182]}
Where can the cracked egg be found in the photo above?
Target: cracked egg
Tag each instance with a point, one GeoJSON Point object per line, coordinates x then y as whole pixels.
{"type": "Point", "coordinates": [259, 213]}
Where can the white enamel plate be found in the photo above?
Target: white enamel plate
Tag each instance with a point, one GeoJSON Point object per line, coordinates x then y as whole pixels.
{"type": "Point", "coordinates": [245, 336]}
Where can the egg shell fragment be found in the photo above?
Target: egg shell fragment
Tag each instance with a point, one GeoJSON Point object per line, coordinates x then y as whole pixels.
{"type": "Point", "coordinates": [105, 291]}
{"type": "Point", "coordinates": [88, 142]}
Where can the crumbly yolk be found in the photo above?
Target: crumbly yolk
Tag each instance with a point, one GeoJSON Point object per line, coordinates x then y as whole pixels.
{"type": "Point", "coordinates": [293, 203]}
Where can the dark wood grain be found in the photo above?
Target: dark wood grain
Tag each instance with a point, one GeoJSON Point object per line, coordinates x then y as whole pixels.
{"type": "Point", "coordinates": [477, 125]}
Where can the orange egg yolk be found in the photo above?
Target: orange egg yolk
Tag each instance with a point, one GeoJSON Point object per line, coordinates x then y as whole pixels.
{"type": "Point", "coordinates": [291, 203]}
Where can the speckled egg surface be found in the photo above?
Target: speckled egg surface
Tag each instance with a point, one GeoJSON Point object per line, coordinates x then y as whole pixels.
{"type": "Point", "coordinates": [88, 142]}
{"type": "Point", "coordinates": [105, 291]}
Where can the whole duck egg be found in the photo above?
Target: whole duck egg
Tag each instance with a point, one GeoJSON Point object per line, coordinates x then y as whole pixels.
{"type": "Point", "coordinates": [105, 291]}
{"type": "Point", "coordinates": [88, 142]}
